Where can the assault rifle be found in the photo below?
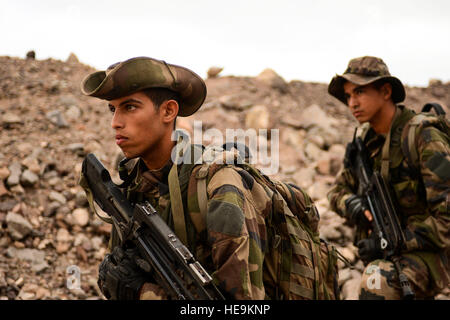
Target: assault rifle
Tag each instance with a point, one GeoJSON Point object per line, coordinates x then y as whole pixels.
{"type": "Point", "coordinates": [372, 186]}
{"type": "Point", "coordinates": [159, 247]}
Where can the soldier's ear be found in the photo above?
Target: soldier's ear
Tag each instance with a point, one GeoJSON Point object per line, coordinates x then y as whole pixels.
{"type": "Point", "coordinates": [169, 110]}
{"type": "Point", "coordinates": [386, 91]}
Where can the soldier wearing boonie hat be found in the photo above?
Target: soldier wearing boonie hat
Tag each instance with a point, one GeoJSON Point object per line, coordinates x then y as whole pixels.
{"type": "Point", "coordinates": [145, 96]}
{"type": "Point", "coordinates": [421, 195]}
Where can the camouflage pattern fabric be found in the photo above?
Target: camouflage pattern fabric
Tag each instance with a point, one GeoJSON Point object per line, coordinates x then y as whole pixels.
{"type": "Point", "coordinates": [133, 75]}
{"type": "Point", "coordinates": [284, 250]}
{"type": "Point", "coordinates": [380, 279]}
{"type": "Point", "coordinates": [422, 201]}
{"type": "Point", "coordinates": [247, 257]}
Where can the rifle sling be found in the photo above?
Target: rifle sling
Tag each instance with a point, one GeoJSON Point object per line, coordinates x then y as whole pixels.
{"type": "Point", "coordinates": [176, 200]}
{"type": "Point", "coordinates": [90, 198]}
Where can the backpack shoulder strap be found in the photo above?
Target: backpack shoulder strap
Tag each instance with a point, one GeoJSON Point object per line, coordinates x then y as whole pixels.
{"type": "Point", "coordinates": [202, 193]}
{"type": "Point", "coordinates": [409, 143]}
{"type": "Point", "coordinates": [385, 151]}
{"type": "Point", "coordinates": [186, 155]}
{"type": "Point", "coordinates": [210, 155]}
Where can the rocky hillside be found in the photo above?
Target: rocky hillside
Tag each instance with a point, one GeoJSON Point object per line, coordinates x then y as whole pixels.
{"type": "Point", "coordinates": [48, 235]}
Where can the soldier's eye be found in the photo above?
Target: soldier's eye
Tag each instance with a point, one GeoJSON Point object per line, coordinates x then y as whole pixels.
{"type": "Point", "coordinates": [130, 107]}
{"type": "Point", "coordinates": [112, 109]}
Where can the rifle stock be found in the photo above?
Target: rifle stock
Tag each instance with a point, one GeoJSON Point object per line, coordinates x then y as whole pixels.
{"type": "Point", "coordinates": [158, 245]}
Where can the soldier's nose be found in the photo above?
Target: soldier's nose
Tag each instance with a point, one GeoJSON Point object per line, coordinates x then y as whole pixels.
{"type": "Point", "coordinates": [352, 103]}
{"type": "Point", "coordinates": [116, 121]}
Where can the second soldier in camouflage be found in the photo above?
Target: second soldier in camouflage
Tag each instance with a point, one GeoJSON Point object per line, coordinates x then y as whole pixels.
{"type": "Point", "coordinates": [421, 196]}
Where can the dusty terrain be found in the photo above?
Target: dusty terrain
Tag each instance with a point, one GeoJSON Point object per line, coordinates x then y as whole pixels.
{"type": "Point", "coordinates": [48, 234]}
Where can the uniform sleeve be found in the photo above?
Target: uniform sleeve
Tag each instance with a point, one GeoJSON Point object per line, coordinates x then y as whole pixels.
{"type": "Point", "coordinates": [344, 187]}
{"type": "Point", "coordinates": [234, 234]}
{"type": "Point", "coordinates": [432, 231]}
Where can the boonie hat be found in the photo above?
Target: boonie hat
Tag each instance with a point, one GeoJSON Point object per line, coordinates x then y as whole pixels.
{"type": "Point", "coordinates": [363, 71]}
{"type": "Point", "coordinates": [133, 75]}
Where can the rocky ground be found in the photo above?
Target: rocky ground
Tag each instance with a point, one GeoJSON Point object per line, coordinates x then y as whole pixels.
{"type": "Point", "coordinates": [49, 238]}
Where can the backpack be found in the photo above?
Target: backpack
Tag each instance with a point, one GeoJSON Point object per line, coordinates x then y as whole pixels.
{"type": "Point", "coordinates": [405, 135]}
{"type": "Point", "coordinates": [421, 120]}
{"type": "Point", "coordinates": [307, 264]}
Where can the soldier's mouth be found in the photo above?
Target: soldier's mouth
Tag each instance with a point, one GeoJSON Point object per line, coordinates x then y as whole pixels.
{"type": "Point", "coordinates": [120, 139]}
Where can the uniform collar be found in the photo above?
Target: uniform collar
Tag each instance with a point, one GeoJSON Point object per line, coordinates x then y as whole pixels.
{"type": "Point", "coordinates": [148, 180]}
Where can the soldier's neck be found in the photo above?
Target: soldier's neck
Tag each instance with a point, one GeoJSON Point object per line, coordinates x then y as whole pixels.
{"type": "Point", "coordinates": [381, 122]}
{"type": "Point", "coordinates": [158, 159]}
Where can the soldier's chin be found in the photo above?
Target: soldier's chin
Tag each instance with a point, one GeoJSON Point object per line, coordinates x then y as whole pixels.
{"type": "Point", "coordinates": [129, 155]}
{"type": "Point", "coordinates": [361, 120]}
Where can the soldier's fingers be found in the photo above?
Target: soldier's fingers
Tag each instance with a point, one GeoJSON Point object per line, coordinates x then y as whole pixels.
{"type": "Point", "coordinates": [118, 253]}
{"type": "Point", "coordinates": [110, 260]}
{"type": "Point", "coordinates": [105, 264]}
{"type": "Point", "coordinates": [368, 215]}
{"type": "Point", "coordinates": [143, 265]}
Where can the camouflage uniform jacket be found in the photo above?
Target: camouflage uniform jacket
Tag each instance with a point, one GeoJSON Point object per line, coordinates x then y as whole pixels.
{"type": "Point", "coordinates": [230, 244]}
{"type": "Point", "coordinates": [422, 200]}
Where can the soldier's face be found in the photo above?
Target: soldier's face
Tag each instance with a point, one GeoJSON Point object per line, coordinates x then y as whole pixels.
{"type": "Point", "coordinates": [139, 127]}
{"type": "Point", "coordinates": [365, 102]}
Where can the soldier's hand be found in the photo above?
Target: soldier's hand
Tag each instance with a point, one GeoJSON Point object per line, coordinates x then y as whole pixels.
{"type": "Point", "coordinates": [119, 277]}
{"type": "Point", "coordinates": [369, 249]}
{"type": "Point", "coordinates": [152, 291]}
{"type": "Point", "coordinates": [357, 212]}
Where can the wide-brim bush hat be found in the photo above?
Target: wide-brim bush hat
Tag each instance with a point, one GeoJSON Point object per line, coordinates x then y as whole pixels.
{"type": "Point", "coordinates": [136, 74]}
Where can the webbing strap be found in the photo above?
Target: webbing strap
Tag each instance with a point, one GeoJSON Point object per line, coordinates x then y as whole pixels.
{"type": "Point", "coordinates": [202, 194]}
{"type": "Point", "coordinates": [317, 266]}
{"type": "Point", "coordinates": [303, 270]}
{"type": "Point", "coordinates": [301, 291]}
{"type": "Point", "coordinates": [297, 232]}
{"type": "Point", "coordinates": [411, 137]}
{"type": "Point", "coordinates": [298, 249]}
{"type": "Point", "coordinates": [385, 150]}
{"type": "Point", "coordinates": [176, 201]}
{"type": "Point", "coordinates": [90, 198]}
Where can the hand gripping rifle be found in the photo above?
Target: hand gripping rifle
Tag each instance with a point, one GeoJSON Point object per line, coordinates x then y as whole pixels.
{"type": "Point", "coordinates": [386, 225]}
{"type": "Point", "coordinates": [159, 247]}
